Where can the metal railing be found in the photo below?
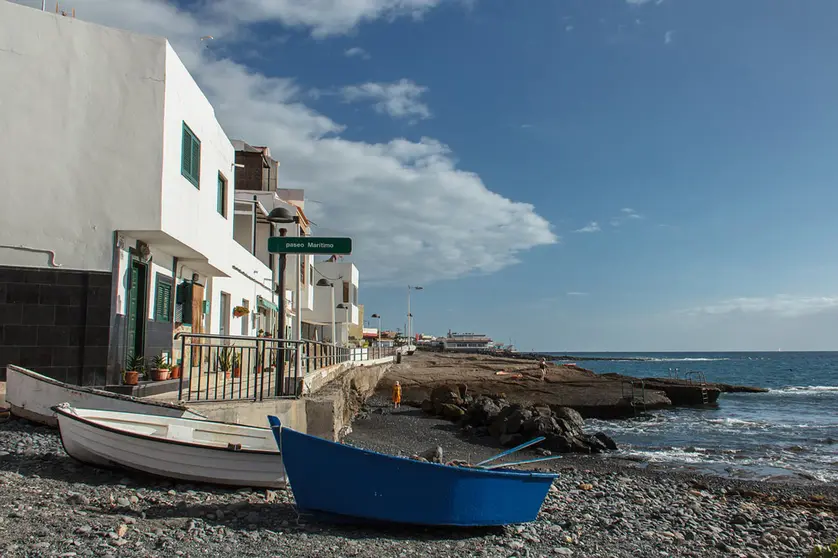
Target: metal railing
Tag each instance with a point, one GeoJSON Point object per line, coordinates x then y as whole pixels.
{"type": "Point", "coordinates": [233, 367]}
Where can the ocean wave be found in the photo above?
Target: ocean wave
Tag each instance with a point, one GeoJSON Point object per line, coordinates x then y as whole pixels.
{"type": "Point", "coordinates": [805, 390]}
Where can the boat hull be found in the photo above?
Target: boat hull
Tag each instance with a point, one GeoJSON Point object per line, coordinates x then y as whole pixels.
{"type": "Point", "coordinates": [32, 396]}
{"type": "Point", "coordinates": [339, 480]}
{"type": "Point", "coordinates": [102, 446]}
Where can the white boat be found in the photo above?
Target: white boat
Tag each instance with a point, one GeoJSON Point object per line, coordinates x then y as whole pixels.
{"type": "Point", "coordinates": [176, 448]}
{"type": "Point", "coordinates": [32, 396]}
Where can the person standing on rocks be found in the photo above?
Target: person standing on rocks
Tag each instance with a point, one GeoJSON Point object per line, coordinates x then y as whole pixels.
{"type": "Point", "coordinates": [397, 395]}
{"type": "Point", "coordinates": [543, 366]}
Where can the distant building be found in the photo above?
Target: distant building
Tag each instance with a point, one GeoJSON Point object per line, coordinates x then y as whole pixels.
{"type": "Point", "coordinates": [467, 342]}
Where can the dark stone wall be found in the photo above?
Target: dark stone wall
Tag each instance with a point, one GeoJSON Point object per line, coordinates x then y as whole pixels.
{"type": "Point", "coordinates": [56, 322]}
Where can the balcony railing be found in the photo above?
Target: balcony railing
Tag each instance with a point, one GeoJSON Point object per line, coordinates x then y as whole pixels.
{"type": "Point", "coordinates": [231, 367]}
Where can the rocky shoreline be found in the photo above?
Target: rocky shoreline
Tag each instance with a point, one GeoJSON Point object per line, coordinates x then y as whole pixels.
{"type": "Point", "coordinates": [53, 506]}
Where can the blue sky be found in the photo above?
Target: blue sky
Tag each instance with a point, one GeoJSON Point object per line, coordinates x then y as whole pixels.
{"type": "Point", "coordinates": [573, 175]}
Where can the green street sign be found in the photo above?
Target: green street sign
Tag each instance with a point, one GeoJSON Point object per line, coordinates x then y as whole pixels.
{"type": "Point", "coordinates": [309, 245]}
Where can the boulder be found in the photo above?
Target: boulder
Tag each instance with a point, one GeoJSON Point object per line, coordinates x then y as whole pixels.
{"type": "Point", "coordinates": [606, 441]}
{"type": "Point", "coordinates": [446, 394]}
{"type": "Point", "coordinates": [516, 420]}
{"type": "Point", "coordinates": [428, 406]}
{"type": "Point", "coordinates": [483, 411]}
{"type": "Point", "coordinates": [511, 440]}
{"type": "Point", "coordinates": [451, 412]}
{"type": "Point", "coordinates": [571, 416]}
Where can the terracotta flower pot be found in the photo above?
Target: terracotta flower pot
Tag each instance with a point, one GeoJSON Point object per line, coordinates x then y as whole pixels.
{"type": "Point", "coordinates": [237, 372]}
{"type": "Point", "coordinates": [131, 378]}
{"type": "Point", "coordinates": [175, 372]}
{"type": "Point", "coordinates": [160, 374]}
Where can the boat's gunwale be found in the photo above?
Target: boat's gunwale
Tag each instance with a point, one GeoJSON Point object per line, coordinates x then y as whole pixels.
{"type": "Point", "coordinates": [87, 389]}
{"type": "Point", "coordinates": [536, 475]}
{"type": "Point", "coordinates": [64, 412]}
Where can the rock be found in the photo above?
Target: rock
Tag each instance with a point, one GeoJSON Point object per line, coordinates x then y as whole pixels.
{"type": "Point", "coordinates": [571, 416]}
{"type": "Point", "coordinates": [451, 412]}
{"type": "Point", "coordinates": [511, 440]}
{"type": "Point", "coordinates": [428, 406]}
{"type": "Point", "coordinates": [516, 420]}
{"type": "Point", "coordinates": [434, 455]}
{"type": "Point", "coordinates": [606, 441]}
{"type": "Point", "coordinates": [563, 551]}
{"type": "Point", "coordinates": [483, 411]}
{"type": "Point", "coordinates": [446, 394]}
{"type": "Point", "coordinates": [123, 502]}
{"type": "Point", "coordinates": [77, 499]}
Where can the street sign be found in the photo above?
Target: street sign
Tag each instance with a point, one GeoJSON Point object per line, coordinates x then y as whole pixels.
{"type": "Point", "coordinates": [309, 245]}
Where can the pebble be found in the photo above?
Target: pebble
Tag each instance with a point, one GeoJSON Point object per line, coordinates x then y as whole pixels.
{"type": "Point", "coordinates": [630, 513]}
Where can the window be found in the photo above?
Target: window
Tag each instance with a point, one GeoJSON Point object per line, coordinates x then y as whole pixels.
{"type": "Point", "coordinates": [302, 271]}
{"type": "Point", "coordinates": [346, 292]}
{"type": "Point", "coordinates": [222, 195]}
{"type": "Point", "coordinates": [163, 299]}
{"type": "Point", "coordinates": [190, 157]}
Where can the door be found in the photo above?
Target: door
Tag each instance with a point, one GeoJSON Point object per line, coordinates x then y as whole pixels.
{"type": "Point", "coordinates": [224, 310]}
{"type": "Point", "coordinates": [136, 311]}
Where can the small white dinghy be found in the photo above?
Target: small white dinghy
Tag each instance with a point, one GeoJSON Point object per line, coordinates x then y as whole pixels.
{"type": "Point", "coordinates": [176, 448]}
{"type": "Point", "coordinates": [32, 396]}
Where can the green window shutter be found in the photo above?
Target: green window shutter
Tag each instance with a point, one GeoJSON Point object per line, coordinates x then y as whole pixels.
{"type": "Point", "coordinates": [186, 154]}
{"type": "Point", "coordinates": [163, 302]}
{"type": "Point", "coordinates": [190, 160]}
{"type": "Point", "coordinates": [222, 195]}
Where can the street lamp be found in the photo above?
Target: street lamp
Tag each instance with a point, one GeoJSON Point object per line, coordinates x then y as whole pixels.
{"type": "Point", "coordinates": [343, 306]}
{"type": "Point", "coordinates": [379, 326]}
{"type": "Point", "coordinates": [407, 325]}
{"type": "Point", "coordinates": [280, 215]}
{"type": "Point", "coordinates": [324, 283]}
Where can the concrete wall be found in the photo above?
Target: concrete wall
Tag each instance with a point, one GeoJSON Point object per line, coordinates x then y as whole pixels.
{"type": "Point", "coordinates": [80, 136]}
{"type": "Point", "coordinates": [326, 414]}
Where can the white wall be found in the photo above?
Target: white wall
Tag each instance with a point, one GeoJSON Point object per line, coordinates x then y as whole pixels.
{"type": "Point", "coordinates": [190, 214]}
{"type": "Point", "coordinates": [81, 124]}
{"type": "Point", "coordinates": [337, 272]}
{"type": "Point", "coordinates": [249, 278]}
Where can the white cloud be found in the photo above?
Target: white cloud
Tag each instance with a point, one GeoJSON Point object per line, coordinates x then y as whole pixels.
{"type": "Point", "coordinates": [322, 17]}
{"type": "Point", "coordinates": [667, 37]}
{"type": "Point", "coordinates": [577, 293]}
{"type": "Point", "coordinates": [568, 28]}
{"type": "Point", "coordinates": [783, 305]}
{"type": "Point", "coordinates": [400, 99]}
{"type": "Point", "coordinates": [641, 2]}
{"type": "Point", "coordinates": [591, 227]}
{"type": "Point", "coordinates": [626, 214]}
{"type": "Point", "coordinates": [357, 52]}
{"type": "Point", "coordinates": [414, 216]}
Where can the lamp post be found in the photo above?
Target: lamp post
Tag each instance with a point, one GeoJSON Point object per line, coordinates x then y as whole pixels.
{"type": "Point", "coordinates": [276, 216]}
{"type": "Point", "coordinates": [379, 326]}
{"type": "Point", "coordinates": [407, 325]}
{"type": "Point", "coordinates": [324, 283]}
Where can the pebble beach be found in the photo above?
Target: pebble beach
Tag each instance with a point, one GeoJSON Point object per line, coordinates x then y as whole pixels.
{"type": "Point", "coordinates": [51, 505]}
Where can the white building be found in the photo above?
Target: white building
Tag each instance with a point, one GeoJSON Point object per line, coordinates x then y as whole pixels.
{"type": "Point", "coordinates": [118, 213]}
{"type": "Point", "coordinates": [467, 342]}
{"type": "Point", "coordinates": [344, 277]}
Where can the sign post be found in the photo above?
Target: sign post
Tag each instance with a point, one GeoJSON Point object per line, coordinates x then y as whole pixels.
{"type": "Point", "coordinates": [309, 245]}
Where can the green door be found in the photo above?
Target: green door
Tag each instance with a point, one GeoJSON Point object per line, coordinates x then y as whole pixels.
{"type": "Point", "coordinates": [135, 312]}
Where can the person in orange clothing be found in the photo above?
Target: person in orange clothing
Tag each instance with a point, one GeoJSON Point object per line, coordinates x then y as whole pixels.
{"type": "Point", "coordinates": [397, 395]}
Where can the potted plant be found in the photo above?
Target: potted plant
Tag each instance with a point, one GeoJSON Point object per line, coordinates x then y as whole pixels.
{"type": "Point", "coordinates": [225, 360]}
{"type": "Point", "coordinates": [159, 368]}
{"type": "Point", "coordinates": [175, 371]}
{"type": "Point", "coordinates": [134, 368]}
{"type": "Point", "coordinates": [240, 311]}
{"type": "Point", "coordinates": [237, 365]}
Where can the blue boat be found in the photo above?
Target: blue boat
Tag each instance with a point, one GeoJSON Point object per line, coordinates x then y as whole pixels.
{"type": "Point", "coordinates": [334, 479]}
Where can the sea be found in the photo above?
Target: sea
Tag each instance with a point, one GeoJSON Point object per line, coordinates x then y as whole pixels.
{"type": "Point", "coordinates": [789, 433]}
